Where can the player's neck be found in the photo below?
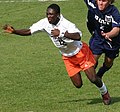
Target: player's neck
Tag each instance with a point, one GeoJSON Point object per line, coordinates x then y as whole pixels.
{"type": "Point", "coordinates": [57, 20]}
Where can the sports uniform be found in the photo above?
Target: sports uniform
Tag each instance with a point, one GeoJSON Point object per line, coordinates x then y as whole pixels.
{"type": "Point", "coordinates": [72, 50]}
{"type": "Point", "coordinates": [76, 54]}
{"type": "Point", "coordinates": [103, 21]}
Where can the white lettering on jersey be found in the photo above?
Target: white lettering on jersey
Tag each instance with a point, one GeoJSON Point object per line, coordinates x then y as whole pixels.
{"type": "Point", "coordinates": [102, 21]}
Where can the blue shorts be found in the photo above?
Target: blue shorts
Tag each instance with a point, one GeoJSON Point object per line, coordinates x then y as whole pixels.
{"type": "Point", "coordinates": [99, 47]}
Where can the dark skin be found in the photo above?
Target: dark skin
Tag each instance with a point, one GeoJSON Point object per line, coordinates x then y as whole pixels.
{"type": "Point", "coordinates": [53, 18]}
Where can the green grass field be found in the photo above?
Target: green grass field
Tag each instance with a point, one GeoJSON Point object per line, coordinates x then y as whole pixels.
{"type": "Point", "coordinates": [32, 74]}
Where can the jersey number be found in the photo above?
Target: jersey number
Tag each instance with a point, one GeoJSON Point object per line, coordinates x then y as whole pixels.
{"type": "Point", "coordinates": [61, 41]}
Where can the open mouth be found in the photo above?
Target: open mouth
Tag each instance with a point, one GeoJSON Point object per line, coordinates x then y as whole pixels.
{"type": "Point", "coordinates": [49, 19]}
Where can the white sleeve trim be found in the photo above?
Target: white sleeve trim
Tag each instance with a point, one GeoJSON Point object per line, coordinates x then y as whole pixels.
{"type": "Point", "coordinates": [91, 4]}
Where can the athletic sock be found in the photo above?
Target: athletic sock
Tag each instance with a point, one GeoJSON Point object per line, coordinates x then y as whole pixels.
{"type": "Point", "coordinates": [103, 89]}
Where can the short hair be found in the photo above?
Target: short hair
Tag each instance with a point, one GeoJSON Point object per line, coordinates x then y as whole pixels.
{"type": "Point", "coordinates": [112, 1]}
{"type": "Point", "coordinates": [55, 7]}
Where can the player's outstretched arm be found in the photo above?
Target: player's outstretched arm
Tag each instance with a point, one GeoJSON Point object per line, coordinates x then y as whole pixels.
{"type": "Point", "coordinates": [22, 32]}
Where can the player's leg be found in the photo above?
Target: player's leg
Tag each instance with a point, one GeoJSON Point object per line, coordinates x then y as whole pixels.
{"type": "Point", "coordinates": [90, 72]}
{"type": "Point", "coordinates": [77, 80]}
{"type": "Point", "coordinates": [108, 62]}
{"type": "Point", "coordinates": [73, 70]}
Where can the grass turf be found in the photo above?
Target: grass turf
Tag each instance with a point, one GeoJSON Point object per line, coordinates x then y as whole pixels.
{"type": "Point", "coordinates": [32, 75]}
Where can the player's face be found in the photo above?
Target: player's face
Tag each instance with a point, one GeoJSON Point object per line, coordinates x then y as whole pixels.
{"type": "Point", "coordinates": [102, 4]}
{"type": "Point", "coordinates": [52, 16]}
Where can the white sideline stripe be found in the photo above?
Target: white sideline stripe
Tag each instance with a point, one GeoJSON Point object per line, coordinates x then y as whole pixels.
{"type": "Point", "coordinates": [8, 1]}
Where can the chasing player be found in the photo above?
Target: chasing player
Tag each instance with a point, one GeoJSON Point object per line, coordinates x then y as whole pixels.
{"type": "Point", "coordinates": [104, 25]}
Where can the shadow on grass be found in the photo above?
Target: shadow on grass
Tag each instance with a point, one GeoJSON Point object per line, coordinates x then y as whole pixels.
{"type": "Point", "coordinates": [98, 100]}
{"type": "Point", "coordinates": [93, 101]}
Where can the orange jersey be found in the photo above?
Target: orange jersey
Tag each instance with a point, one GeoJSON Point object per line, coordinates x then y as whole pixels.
{"type": "Point", "coordinates": [83, 60]}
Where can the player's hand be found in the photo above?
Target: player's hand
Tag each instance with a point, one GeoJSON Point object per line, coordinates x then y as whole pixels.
{"type": "Point", "coordinates": [106, 36]}
{"type": "Point", "coordinates": [8, 29]}
{"type": "Point", "coordinates": [55, 32]}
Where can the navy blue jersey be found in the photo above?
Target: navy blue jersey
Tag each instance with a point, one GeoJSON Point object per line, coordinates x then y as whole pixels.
{"type": "Point", "coordinates": [103, 21]}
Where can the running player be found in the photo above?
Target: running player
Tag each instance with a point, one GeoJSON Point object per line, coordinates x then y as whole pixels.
{"type": "Point", "coordinates": [66, 37]}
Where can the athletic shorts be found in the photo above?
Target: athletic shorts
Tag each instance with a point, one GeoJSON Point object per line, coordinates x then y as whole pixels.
{"type": "Point", "coordinates": [98, 48]}
{"type": "Point", "coordinates": [83, 60]}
